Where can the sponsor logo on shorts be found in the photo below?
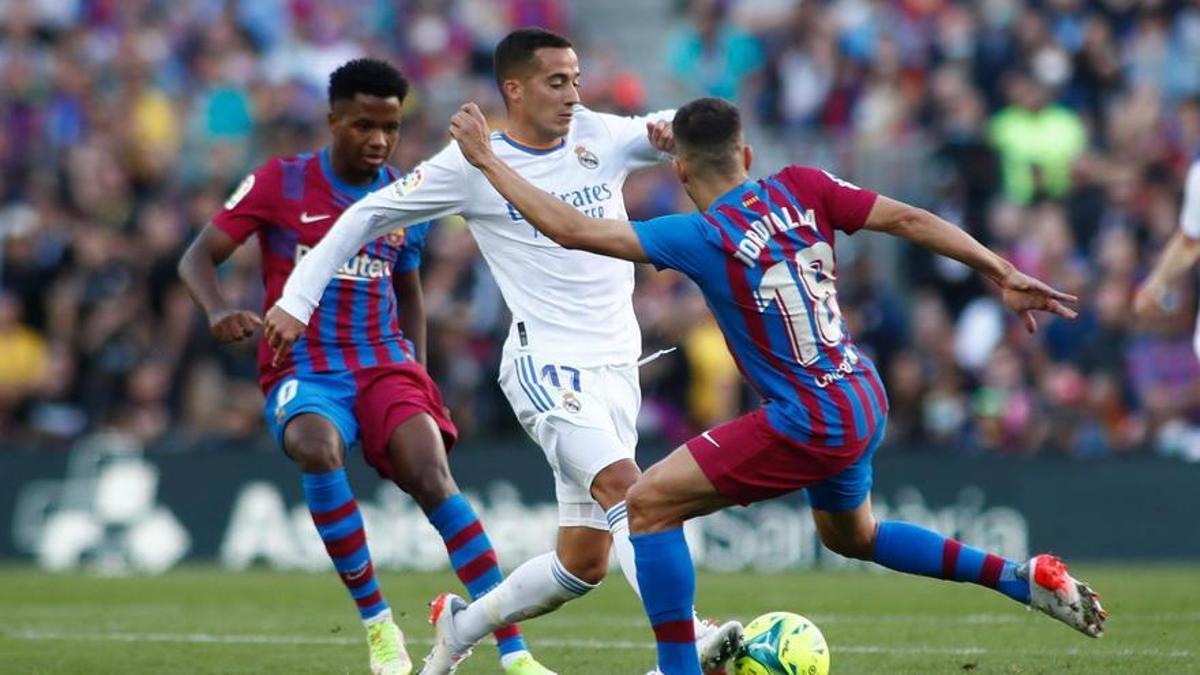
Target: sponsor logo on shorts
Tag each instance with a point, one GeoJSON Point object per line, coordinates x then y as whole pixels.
{"type": "Point", "coordinates": [571, 403]}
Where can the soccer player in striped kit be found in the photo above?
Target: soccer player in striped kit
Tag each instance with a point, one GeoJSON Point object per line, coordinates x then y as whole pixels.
{"type": "Point", "coordinates": [357, 373]}
{"type": "Point", "coordinates": [762, 254]}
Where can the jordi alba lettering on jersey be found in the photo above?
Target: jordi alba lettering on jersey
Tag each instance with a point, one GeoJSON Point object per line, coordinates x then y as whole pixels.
{"type": "Point", "coordinates": [763, 256]}
{"type": "Point", "coordinates": [291, 203]}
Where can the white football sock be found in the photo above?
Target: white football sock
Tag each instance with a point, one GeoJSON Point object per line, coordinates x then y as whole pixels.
{"type": "Point", "coordinates": [618, 525]}
{"type": "Point", "coordinates": [538, 586]}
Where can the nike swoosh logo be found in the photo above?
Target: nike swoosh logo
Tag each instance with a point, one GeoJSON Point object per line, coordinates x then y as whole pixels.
{"type": "Point", "coordinates": [305, 218]}
{"type": "Point", "coordinates": [711, 439]}
{"type": "Point", "coordinates": [353, 575]}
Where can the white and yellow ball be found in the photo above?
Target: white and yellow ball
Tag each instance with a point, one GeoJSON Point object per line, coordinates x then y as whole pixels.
{"type": "Point", "coordinates": [782, 643]}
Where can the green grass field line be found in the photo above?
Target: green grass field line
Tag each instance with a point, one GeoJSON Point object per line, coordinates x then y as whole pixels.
{"type": "Point", "coordinates": [205, 620]}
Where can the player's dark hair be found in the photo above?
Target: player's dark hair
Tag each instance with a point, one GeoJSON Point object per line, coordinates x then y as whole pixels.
{"type": "Point", "coordinates": [707, 134]}
{"type": "Point", "coordinates": [372, 77]}
{"type": "Point", "coordinates": [518, 51]}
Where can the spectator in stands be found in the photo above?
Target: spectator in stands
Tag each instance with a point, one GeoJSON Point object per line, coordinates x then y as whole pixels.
{"type": "Point", "coordinates": [1037, 141]}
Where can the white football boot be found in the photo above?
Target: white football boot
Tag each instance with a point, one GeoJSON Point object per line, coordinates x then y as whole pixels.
{"type": "Point", "coordinates": [447, 652]}
{"type": "Point", "coordinates": [1054, 591]}
{"type": "Point", "coordinates": [716, 644]}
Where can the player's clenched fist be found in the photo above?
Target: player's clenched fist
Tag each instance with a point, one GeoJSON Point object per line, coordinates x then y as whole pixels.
{"type": "Point", "coordinates": [233, 325]}
{"type": "Point", "coordinates": [661, 136]}
{"type": "Point", "coordinates": [469, 127]}
{"type": "Point", "coordinates": [282, 330]}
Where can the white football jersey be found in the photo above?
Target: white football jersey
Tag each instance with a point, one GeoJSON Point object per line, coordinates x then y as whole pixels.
{"type": "Point", "coordinates": [1189, 222]}
{"type": "Point", "coordinates": [566, 304]}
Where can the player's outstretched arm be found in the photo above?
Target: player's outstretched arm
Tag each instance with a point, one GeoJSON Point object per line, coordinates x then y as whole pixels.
{"type": "Point", "coordinates": [359, 224]}
{"type": "Point", "coordinates": [1019, 292]}
{"type": "Point", "coordinates": [430, 191]}
{"type": "Point", "coordinates": [1180, 254]}
{"type": "Point", "coordinates": [198, 270]}
{"type": "Point", "coordinates": [550, 215]}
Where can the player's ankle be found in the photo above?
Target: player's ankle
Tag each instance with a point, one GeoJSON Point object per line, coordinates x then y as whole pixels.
{"type": "Point", "coordinates": [506, 660]}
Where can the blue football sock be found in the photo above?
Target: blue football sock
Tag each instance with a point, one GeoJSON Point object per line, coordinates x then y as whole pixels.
{"type": "Point", "coordinates": [335, 513]}
{"type": "Point", "coordinates": [905, 547]}
{"type": "Point", "coordinates": [473, 559]}
{"type": "Point", "coordinates": [668, 583]}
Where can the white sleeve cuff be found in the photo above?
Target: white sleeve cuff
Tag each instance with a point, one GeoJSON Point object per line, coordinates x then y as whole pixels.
{"type": "Point", "coordinates": [297, 307]}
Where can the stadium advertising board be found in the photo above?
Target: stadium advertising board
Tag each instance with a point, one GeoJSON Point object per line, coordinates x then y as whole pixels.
{"type": "Point", "coordinates": [109, 506]}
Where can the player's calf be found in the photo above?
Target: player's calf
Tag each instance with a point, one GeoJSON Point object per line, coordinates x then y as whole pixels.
{"type": "Point", "coordinates": [850, 534]}
{"type": "Point", "coordinates": [584, 553]}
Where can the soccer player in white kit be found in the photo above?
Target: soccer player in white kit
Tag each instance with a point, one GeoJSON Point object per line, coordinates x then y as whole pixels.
{"type": "Point", "coordinates": [569, 365]}
{"type": "Point", "coordinates": [1181, 254]}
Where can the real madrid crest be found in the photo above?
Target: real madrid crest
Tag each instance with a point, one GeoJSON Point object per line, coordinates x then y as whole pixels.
{"type": "Point", "coordinates": [570, 403]}
{"type": "Point", "coordinates": [587, 158]}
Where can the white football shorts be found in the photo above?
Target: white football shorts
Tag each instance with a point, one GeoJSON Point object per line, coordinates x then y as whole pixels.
{"type": "Point", "coordinates": [584, 419]}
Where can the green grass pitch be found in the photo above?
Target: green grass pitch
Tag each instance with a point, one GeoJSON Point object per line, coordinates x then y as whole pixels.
{"type": "Point", "coordinates": [203, 620]}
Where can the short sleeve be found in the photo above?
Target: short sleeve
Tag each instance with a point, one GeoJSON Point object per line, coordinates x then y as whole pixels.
{"type": "Point", "coordinates": [250, 205]}
{"type": "Point", "coordinates": [673, 242]}
{"type": "Point", "coordinates": [630, 139]}
{"type": "Point", "coordinates": [846, 204]}
{"type": "Point", "coordinates": [1189, 215]}
{"type": "Point", "coordinates": [414, 246]}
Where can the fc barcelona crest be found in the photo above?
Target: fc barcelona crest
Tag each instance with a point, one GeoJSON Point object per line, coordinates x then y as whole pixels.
{"type": "Point", "coordinates": [395, 238]}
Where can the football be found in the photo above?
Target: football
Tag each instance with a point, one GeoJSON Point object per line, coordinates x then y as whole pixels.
{"type": "Point", "coordinates": [782, 643]}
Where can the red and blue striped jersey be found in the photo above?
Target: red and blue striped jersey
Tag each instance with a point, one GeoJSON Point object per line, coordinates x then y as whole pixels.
{"type": "Point", "coordinates": [291, 203]}
{"type": "Point", "coordinates": [763, 257]}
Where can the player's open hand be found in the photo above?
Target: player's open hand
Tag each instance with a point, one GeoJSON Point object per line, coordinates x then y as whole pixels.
{"type": "Point", "coordinates": [282, 331]}
{"type": "Point", "coordinates": [233, 325]}
{"type": "Point", "coordinates": [1024, 295]}
{"type": "Point", "coordinates": [661, 135]}
{"type": "Point", "coordinates": [469, 128]}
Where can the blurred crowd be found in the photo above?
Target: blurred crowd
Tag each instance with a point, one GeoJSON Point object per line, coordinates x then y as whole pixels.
{"type": "Point", "coordinates": [1056, 131]}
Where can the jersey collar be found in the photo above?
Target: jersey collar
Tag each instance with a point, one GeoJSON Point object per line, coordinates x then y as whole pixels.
{"type": "Point", "coordinates": [355, 191]}
{"type": "Point", "coordinates": [734, 196]}
{"type": "Point", "coordinates": [533, 150]}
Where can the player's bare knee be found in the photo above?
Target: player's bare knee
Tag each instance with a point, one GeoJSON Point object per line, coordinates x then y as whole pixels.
{"type": "Point", "coordinates": [430, 484]}
{"type": "Point", "coordinates": [644, 506]}
{"type": "Point", "coordinates": [613, 482]}
{"type": "Point", "coordinates": [315, 455]}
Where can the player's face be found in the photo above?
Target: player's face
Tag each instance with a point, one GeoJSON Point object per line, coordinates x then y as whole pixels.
{"type": "Point", "coordinates": [547, 97]}
{"type": "Point", "coordinates": [365, 132]}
